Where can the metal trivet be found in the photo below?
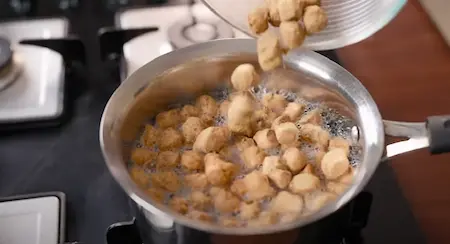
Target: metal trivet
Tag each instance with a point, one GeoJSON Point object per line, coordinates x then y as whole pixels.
{"type": "Point", "coordinates": [9, 64]}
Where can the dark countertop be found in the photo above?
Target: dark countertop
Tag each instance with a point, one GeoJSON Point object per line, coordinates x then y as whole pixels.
{"type": "Point", "coordinates": [68, 159]}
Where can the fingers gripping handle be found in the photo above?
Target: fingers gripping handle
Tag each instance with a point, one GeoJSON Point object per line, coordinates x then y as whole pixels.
{"type": "Point", "coordinates": [438, 128]}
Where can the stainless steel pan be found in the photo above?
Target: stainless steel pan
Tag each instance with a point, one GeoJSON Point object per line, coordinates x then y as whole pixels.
{"type": "Point", "coordinates": [187, 72]}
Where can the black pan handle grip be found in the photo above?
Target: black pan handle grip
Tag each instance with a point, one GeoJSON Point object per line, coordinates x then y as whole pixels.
{"type": "Point", "coordinates": [438, 128]}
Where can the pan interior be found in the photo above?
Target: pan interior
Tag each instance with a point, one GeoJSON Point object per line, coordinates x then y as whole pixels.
{"type": "Point", "coordinates": [307, 76]}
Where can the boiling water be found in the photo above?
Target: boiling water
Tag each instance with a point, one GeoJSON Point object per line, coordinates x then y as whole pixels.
{"type": "Point", "coordinates": [333, 122]}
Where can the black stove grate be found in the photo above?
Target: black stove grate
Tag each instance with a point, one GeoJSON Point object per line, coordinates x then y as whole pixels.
{"type": "Point", "coordinates": [359, 209]}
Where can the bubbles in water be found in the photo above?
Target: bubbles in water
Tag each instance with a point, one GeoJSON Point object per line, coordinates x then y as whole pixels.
{"type": "Point", "coordinates": [260, 91]}
{"type": "Point", "coordinates": [289, 96]}
{"type": "Point", "coordinates": [310, 153]}
{"type": "Point", "coordinates": [220, 121]}
{"type": "Point", "coordinates": [221, 94]}
{"type": "Point", "coordinates": [335, 123]}
{"type": "Point", "coordinates": [310, 106]}
{"type": "Point", "coordinates": [355, 155]}
{"type": "Point", "coordinates": [255, 89]}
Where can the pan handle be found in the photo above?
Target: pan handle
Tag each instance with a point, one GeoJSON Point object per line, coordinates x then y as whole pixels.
{"type": "Point", "coordinates": [434, 134]}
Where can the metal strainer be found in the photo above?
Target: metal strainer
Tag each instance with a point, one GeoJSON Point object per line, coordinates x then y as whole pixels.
{"type": "Point", "coordinates": [349, 21]}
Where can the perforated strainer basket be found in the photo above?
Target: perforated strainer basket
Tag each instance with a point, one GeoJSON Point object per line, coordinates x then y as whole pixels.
{"type": "Point", "coordinates": [349, 21]}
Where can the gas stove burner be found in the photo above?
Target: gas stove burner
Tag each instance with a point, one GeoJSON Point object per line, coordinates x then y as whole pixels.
{"type": "Point", "coordinates": [5, 53]}
{"type": "Point", "coordinates": [186, 32]}
{"type": "Point", "coordinates": [10, 65]}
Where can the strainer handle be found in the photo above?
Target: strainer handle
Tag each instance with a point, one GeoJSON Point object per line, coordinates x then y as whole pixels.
{"type": "Point", "coordinates": [438, 128]}
{"type": "Point", "coordinates": [434, 134]}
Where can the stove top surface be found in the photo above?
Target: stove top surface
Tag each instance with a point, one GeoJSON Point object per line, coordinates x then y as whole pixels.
{"type": "Point", "coordinates": [55, 158]}
{"type": "Point", "coordinates": [31, 86]}
{"type": "Point", "coordinates": [145, 48]}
